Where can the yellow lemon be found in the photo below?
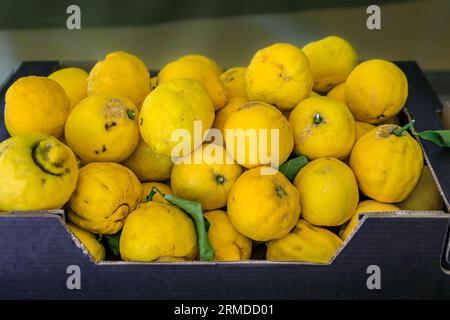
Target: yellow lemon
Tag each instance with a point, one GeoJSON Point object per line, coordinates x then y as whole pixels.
{"type": "Point", "coordinates": [279, 75]}
{"type": "Point", "coordinates": [36, 104]}
{"type": "Point", "coordinates": [105, 194]}
{"type": "Point", "coordinates": [120, 74]}
{"type": "Point", "coordinates": [362, 128]}
{"type": "Point", "coordinates": [328, 192]}
{"type": "Point", "coordinates": [257, 134]}
{"type": "Point", "coordinates": [228, 243]}
{"type": "Point", "coordinates": [171, 107]}
{"type": "Point", "coordinates": [364, 207]}
{"type": "Point", "coordinates": [387, 166]}
{"type": "Point", "coordinates": [223, 114]}
{"type": "Point", "coordinates": [204, 59]}
{"type": "Point", "coordinates": [426, 195]}
{"type": "Point", "coordinates": [74, 83]}
{"type": "Point", "coordinates": [103, 128]}
{"type": "Point", "coordinates": [322, 127]}
{"type": "Point", "coordinates": [196, 70]}
{"type": "Point", "coordinates": [148, 165]}
{"type": "Point", "coordinates": [376, 90]}
{"type": "Point", "coordinates": [305, 243]}
{"type": "Point", "coordinates": [37, 172]}
{"type": "Point", "coordinates": [148, 186]}
{"type": "Point", "coordinates": [89, 241]}
{"type": "Point", "coordinates": [338, 93]}
{"type": "Point", "coordinates": [331, 59]}
{"type": "Point", "coordinates": [158, 230]}
{"type": "Point", "coordinates": [233, 81]}
{"type": "Point", "coordinates": [263, 207]}
{"type": "Point", "coordinates": [206, 176]}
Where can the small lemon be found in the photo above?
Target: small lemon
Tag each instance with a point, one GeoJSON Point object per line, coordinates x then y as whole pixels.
{"type": "Point", "coordinates": [148, 165]}
{"type": "Point", "coordinates": [338, 93]}
{"type": "Point", "coordinates": [103, 128]}
{"type": "Point", "coordinates": [305, 243]}
{"type": "Point", "coordinates": [36, 104]}
{"type": "Point", "coordinates": [37, 172]}
{"type": "Point", "coordinates": [279, 75]}
{"type": "Point", "coordinates": [322, 127]}
{"type": "Point", "coordinates": [426, 195]}
{"type": "Point", "coordinates": [362, 128]}
{"type": "Point", "coordinates": [74, 83]}
{"type": "Point", "coordinates": [263, 207]}
{"type": "Point", "coordinates": [120, 74]}
{"type": "Point", "coordinates": [196, 70]}
{"type": "Point", "coordinates": [376, 90]}
{"type": "Point", "coordinates": [234, 82]}
{"type": "Point", "coordinates": [148, 186]}
{"type": "Point", "coordinates": [172, 107]}
{"type": "Point", "coordinates": [223, 114]}
{"type": "Point", "coordinates": [387, 166]}
{"type": "Point", "coordinates": [105, 194]}
{"type": "Point", "coordinates": [89, 241]}
{"type": "Point", "coordinates": [256, 134]}
{"type": "Point", "coordinates": [328, 192]}
{"type": "Point", "coordinates": [206, 176]}
{"type": "Point", "coordinates": [204, 59]}
{"type": "Point", "coordinates": [331, 59]}
{"type": "Point", "coordinates": [363, 207]}
{"type": "Point", "coordinates": [158, 230]}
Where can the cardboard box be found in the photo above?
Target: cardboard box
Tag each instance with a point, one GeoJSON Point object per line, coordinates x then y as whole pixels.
{"type": "Point", "coordinates": [391, 255]}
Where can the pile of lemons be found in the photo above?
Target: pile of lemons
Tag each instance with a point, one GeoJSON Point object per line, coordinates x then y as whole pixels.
{"type": "Point", "coordinates": [97, 143]}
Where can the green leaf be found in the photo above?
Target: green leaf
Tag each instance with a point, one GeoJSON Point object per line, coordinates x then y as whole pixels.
{"type": "Point", "coordinates": [439, 137]}
{"type": "Point", "coordinates": [114, 243]}
{"type": "Point", "coordinates": [292, 167]}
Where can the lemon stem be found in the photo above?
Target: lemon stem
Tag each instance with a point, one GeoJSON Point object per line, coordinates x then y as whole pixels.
{"type": "Point", "coordinates": [317, 118]}
{"type": "Point", "coordinates": [409, 126]}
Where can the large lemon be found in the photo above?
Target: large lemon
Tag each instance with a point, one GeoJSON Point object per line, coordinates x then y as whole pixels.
{"type": "Point", "coordinates": [204, 59]}
{"type": "Point", "coordinates": [234, 82]}
{"type": "Point", "coordinates": [387, 166]}
{"type": "Point", "coordinates": [74, 83]}
{"type": "Point", "coordinates": [36, 104]}
{"type": "Point", "coordinates": [37, 172]}
{"type": "Point", "coordinates": [158, 230]}
{"type": "Point", "coordinates": [376, 90]}
{"type": "Point", "coordinates": [328, 192]}
{"type": "Point", "coordinates": [322, 127]}
{"type": "Point", "coordinates": [206, 176]}
{"type": "Point", "coordinates": [263, 207]}
{"type": "Point", "coordinates": [90, 242]}
{"type": "Point", "coordinates": [103, 128]}
{"type": "Point", "coordinates": [105, 194]}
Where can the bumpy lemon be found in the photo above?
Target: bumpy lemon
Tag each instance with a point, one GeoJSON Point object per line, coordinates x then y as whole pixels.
{"type": "Point", "coordinates": [362, 128]}
{"type": "Point", "coordinates": [204, 59]}
{"type": "Point", "coordinates": [328, 192]}
{"type": "Point", "coordinates": [36, 104]}
{"type": "Point", "coordinates": [148, 165]}
{"type": "Point", "coordinates": [173, 107]}
{"type": "Point", "coordinates": [258, 133]}
{"type": "Point", "coordinates": [331, 59]}
{"type": "Point", "coordinates": [103, 128]}
{"type": "Point", "coordinates": [228, 243]}
{"type": "Point", "coordinates": [322, 127]}
{"type": "Point", "coordinates": [37, 172]}
{"type": "Point", "coordinates": [376, 90]}
{"type": "Point", "coordinates": [305, 243]}
{"type": "Point", "coordinates": [387, 166]}
{"type": "Point", "coordinates": [74, 83]}
{"type": "Point", "coordinates": [338, 93]}
{"type": "Point", "coordinates": [95, 248]}
{"type": "Point", "coordinates": [223, 114]}
{"type": "Point", "coordinates": [120, 74]}
{"type": "Point", "coordinates": [196, 70]}
{"type": "Point", "coordinates": [426, 195]}
{"type": "Point", "coordinates": [158, 230]}
{"type": "Point", "coordinates": [234, 82]}
{"type": "Point", "coordinates": [105, 194]}
{"type": "Point", "coordinates": [364, 207]}
{"type": "Point", "coordinates": [263, 207]}
{"type": "Point", "coordinates": [206, 176]}
{"type": "Point", "coordinates": [147, 188]}
{"type": "Point", "coordinates": [280, 75]}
